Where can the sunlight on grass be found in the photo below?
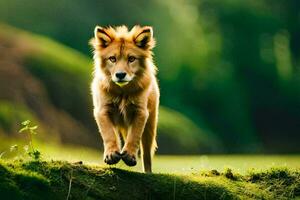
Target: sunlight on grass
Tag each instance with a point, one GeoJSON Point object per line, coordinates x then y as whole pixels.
{"type": "Point", "coordinates": [180, 164]}
{"type": "Point", "coordinates": [239, 163]}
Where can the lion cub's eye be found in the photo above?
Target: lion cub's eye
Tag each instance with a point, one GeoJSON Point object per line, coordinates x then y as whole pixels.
{"type": "Point", "coordinates": [112, 59]}
{"type": "Point", "coordinates": [131, 59]}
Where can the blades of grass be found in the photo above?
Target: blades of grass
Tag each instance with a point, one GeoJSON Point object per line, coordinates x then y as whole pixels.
{"type": "Point", "coordinates": [70, 184]}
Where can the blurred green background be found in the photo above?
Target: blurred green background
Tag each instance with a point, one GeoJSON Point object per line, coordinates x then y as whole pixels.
{"type": "Point", "coordinates": [228, 71]}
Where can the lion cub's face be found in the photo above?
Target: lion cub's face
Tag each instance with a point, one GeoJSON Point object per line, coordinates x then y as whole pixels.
{"type": "Point", "coordinates": [123, 53]}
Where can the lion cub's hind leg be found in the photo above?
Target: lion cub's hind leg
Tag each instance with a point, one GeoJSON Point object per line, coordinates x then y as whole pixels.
{"type": "Point", "coordinates": [148, 143]}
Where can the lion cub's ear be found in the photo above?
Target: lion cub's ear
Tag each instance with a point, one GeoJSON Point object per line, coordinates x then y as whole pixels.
{"type": "Point", "coordinates": [143, 37]}
{"type": "Point", "coordinates": [102, 36]}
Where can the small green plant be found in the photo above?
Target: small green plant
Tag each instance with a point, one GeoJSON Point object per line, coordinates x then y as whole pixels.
{"type": "Point", "coordinates": [30, 130]}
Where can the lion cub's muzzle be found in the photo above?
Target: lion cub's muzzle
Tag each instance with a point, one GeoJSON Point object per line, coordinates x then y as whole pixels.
{"type": "Point", "coordinates": [121, 78]}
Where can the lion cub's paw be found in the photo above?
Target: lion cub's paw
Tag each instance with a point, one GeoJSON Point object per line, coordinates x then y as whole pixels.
{"type": "Point", "coordinates": [112, 157]}
{"type": "Point", "coordinates": [128, 159]}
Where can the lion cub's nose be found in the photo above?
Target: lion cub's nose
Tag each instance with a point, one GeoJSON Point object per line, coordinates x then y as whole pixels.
{"type": "Point", "coordinates": [120, 75]}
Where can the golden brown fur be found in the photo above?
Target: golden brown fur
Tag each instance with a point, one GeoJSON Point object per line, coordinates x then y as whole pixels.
{"type": "Point", "coordinates": [125, 105]}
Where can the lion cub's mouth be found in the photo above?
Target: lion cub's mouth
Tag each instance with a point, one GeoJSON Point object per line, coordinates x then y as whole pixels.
{"type": "Point", "coordinates": [121, 83]}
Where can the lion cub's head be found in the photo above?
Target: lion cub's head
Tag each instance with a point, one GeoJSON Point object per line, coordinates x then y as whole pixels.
{"type": "Point", "coordinates": [122, 55]}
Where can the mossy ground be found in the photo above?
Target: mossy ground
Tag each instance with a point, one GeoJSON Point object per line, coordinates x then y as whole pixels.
{"type": "Point", "coordinates": [63, 180]}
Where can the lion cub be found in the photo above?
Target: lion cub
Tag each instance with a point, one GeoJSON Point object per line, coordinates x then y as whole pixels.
{"type": "Point", "coordinates": [125, 93]}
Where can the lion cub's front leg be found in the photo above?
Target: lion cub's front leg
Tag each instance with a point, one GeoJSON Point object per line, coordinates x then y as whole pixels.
{"type": "Point", "coordinates": [134, 136]}
{"type": "Point", "coordinates": [111, 149]}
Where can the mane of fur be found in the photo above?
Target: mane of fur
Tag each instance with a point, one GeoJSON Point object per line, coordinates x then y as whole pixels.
{"type": "Point", "coordinates": [122, 34]}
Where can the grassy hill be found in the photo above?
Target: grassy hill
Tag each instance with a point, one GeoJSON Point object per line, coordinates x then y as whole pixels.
{"type": "Point", "coordinates": [62, 180]}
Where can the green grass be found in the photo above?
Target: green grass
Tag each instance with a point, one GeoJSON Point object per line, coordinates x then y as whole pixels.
{"type": "Point", "coordinates": [60, 180]}
{"type": "Point", "coordinates": [179, 164]}
{"type": "Point", "coordinates": [239, 163]}
{"type": "Point", "coordinates": [175, 177]}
